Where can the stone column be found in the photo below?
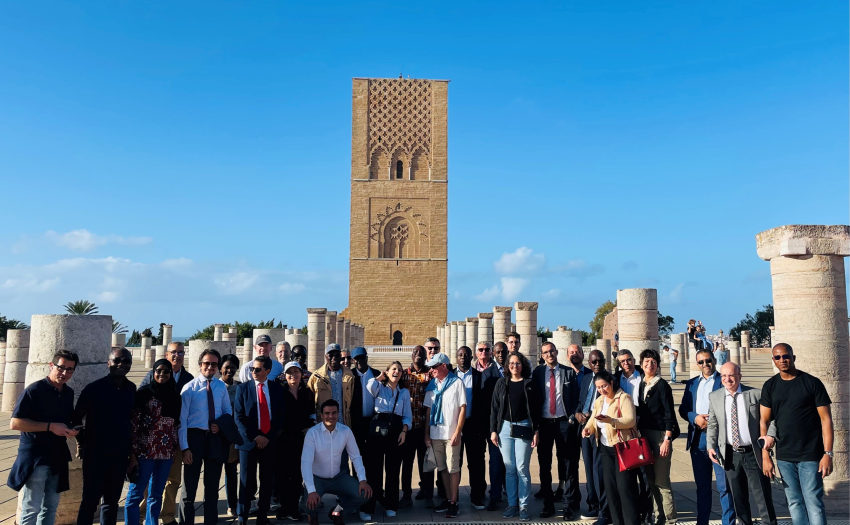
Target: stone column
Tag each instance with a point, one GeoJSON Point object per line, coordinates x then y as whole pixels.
{"type": "Point", "coordinates": [154, 354]}
{"type": "Point", "coordinates": [340, 331]}
{"type": "Point", "coordinates": [677, 343]}
{"type": "Point", "coordinates": [461, 340]}
{"type": "Point", "coordinates": [196, 346]}
{"type": "Point", "coordinates": [501, 322]}
{"type": "Point", "coordinates": [2, 361]}
{"type": "Point", "coordinates": [316, 318]}
{"type": "Point", "coordinates": [14, 375]}
{"type": "Point", "coordinates": [219, 332]}
{"type": "Point", "coordinates": [637, 319]}
{"type": "Point", "coordinates": [734, 349]}
{"type": "Point", "coordinates": [485, 328]}
{"type": "Point", "coordinates": [345, 344]}
{"type": "Point", "coordinates": [471, 333]}
{"type": "Point", "coordinates": [90, 337]}
{"type": "Point", "coordinates": [745, 344]}
{"type": "Point", "coordinates": [247, 351]}
{"type": "Point", "coordinates": [810, 314]}
{"type": "Point", "coordinates": [526, 323]}
{"type": "Point", "coordinates": [603, 345]}
{"type": "Point", "coordinates": [692, 359]}
{"type": "Point", "coordinates": [453, 337]}
{"type": "Point", "coordinates": [330, 327]}
{"type": "Point", "coordinates": [230, 334]}
{"type": "Point", "coordinates": [119, 340]}
{"type": "Point", "coordinates": [563, 338]}
{"type": "Point", "coordinates": [167, 338]}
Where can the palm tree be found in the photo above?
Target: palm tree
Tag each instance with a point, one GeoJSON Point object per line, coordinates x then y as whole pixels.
{"type": "Point", "coordinates": [118, 328]}
{"type": "Point", "coordinates": [81, 308]}
{"type": "Point", "coordinates": [10, 324]}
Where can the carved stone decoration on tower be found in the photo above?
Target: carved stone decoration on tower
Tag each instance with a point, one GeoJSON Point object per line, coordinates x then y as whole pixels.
{"type": "Point", "coordinates": [398, 278]}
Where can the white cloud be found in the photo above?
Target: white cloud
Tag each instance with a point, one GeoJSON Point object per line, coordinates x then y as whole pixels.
{"type": "Point", "coordinates": [236, 283]}
{"type": "Point", "coordinates": [552, 294]}
{"type": "Point", "coordinates": [676, 294]}
{"type": "Point", "coordinates": [489, 294]}
{"type": "Point", "coordinates": [84, 240]}
{"type": "Point", "coordinates": [292, 288]}
{"type": "Point", "coordinates": [31, 284]}
{"type": "Point", "coordinates": [513, 286]}
{"type": "Point", "coordinates": [522, 261]}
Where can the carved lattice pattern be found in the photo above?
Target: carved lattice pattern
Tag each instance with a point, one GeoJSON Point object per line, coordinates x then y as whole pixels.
{"type": "Point", "coordinates": [400, 116]}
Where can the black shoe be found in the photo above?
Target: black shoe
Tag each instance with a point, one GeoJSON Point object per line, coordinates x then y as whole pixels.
{"type": "Point", "coordinates": [493, 505]}
{"type": "Point", "coordinates": [539, 494]}
{"type": "Point", "coordinates": [548, 511]}
{"type": "Point", "coordinates": [477, 504]}
{"type": "Point", "coordinates": [420, 495]}
{"type": "Point", "coordinates": [568, 514]}
{"type": "Point", "coordinates": [405, 502]}
{"type": "Point", "coordinates": [453, 511]}
{"type": "Point", "coordinates": [442, 507]}
{"type": "Point", "coordinates": [559, 494]}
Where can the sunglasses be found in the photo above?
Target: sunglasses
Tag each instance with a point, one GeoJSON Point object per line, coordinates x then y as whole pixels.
{"type": "Point", "coordinates": [177, 353]}
{"type": "Point", "coordinates": [432, 348]}
{"type": "Point", "coordinates": [705, 361]}
{"type": "Point", "coordinates": [596, 361]}
{"type": "Point", "coordinates": [209, 365]}
{"type": "Point", "coordinates": [160, 372]}
{"type": "Point", "coordinates": [122, 360]}
{"type": "Point", "coordinates": [781, 357]}
{"type": "Point", "coordinates": [257, 369]}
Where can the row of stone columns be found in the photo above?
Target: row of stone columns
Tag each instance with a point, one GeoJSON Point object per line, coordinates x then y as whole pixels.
{"type": "Point", "coordinates": [14, 375]}
{"type": "Point", "coordinates": [323, 328]}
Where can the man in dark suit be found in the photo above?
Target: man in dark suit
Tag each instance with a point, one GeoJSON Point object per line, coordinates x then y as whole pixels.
{"type": "Point", "coordinates": [259, 418]}
{"type": "Point", "coordinates": [732, 441]}
{"type": "Point", "coordinates": [175, 354]}
{"type": "Point", "coordinates": [695, 408]}
{"type": "Point", "coordinates": [489, 376]}
{"type": "Point", "coordinates": [597, 503]}
{"type": "Point", "coordinates": [474, 430]}
{"type": "Point", "coordinates": [558, 387]}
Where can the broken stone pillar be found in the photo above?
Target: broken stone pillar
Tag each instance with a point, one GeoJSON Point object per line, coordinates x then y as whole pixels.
{"type": "Point", "coordinates": [330, 327]}
{"type": "Point", "coordinates": [452, 348]}
{"type": "Point", "coordinates": [154, 354]}
{"type": "Point", "coordinates": [677, 343]}
{"type": "Point", "coordinates": [340, 331]}
{"type": "Point", "coordinates": [563, 338]}
{"type": "Point", "coordinates": [485, 328]}
{"type": "Point", "coordinates": [230, 334]}
{"type": "Point", "coordinates": [15, 370]}
{"type": "Point", "coordinates": [316, 318]}
{"type": "Point", "coordinates": [247, 351]}
{"type": "Point", "coordinates": [219, 332]}
{"type": "Point", "coordinates": [603, 345]}
{"type": "Point", "coordinates": [734, 349]}
{"type": "Point", "coordinates": [810, 314]}
{"type": "Point", "coordinates": [526, 323]}
{"type": "Point", "coordinates": [90, 337]}
{"type": "Point", "coordinates": [197, 346]}
{"type": "Point", "coordinates": [119, 340]}
{"type": "Point", "coordinates": [461, 340]}
{"type": "Point", "coordinates": [167, 337]}
{"type": "Point", "coordinates": [471, 333]}
{"type": "Point", "coordinates": [2, 361]}
{"type": "Point", "coordinates": [501, 322]}
{"type": "Point", "coordinates": [692, 359]}
{"type": "Point", "coordinates": [346, 337]}
{"type": "Point", "coordinates": [745, 344]}
{"type": "Point", "coordinates": [637, 319]}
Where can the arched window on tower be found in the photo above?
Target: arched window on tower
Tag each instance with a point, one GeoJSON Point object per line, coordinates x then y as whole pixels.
{"type": "Point", "coordinates": [399, 170]}
{"type": "Point", "coordinates": [397, 338]}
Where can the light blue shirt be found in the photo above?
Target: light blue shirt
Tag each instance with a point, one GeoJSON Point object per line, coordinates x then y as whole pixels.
{"type": "Point", "coordinates": [383, 398]}
{"type": "Point", "coordinates": [705, 387]}
{"type": "Point", "coordinates": [336, 385]}
{"type": "Point", "coordinates": [467, 382]}
{"type": "Point", "coordinates": [194, 412]}
{"type": "Point", "coordinates": [368, 401]}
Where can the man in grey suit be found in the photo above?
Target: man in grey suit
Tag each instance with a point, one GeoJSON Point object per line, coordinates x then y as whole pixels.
{"type": "Point", "coordinates": [732, 442]}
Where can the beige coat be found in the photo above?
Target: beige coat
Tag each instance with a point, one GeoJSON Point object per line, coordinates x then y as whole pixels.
{"type": "Point", "coordinates": [626, 421]}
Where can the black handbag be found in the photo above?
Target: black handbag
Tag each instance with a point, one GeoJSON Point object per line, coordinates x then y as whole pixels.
{"type": "Point", "coordinates": [519, 431]}
{"type": "Point", "coordinates": [381, 423]}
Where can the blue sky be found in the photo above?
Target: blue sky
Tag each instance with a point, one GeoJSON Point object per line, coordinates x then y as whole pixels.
{"type": "Point", "coordinates": [189, 162]}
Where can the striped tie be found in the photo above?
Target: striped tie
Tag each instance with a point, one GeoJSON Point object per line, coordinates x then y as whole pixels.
{"type": "Point", "coordinates": [736, 435]}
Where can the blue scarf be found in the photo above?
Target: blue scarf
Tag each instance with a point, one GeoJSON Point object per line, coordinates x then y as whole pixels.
{"type": "Point", "coordinates": [437, 407]}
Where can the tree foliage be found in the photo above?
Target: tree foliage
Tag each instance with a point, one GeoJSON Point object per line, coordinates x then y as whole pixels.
{"type": "Point", "coordinates": [118, 328]}
{"type": "Point", "coordinates": [598, 321]}
{"type": "Point", "coordinates": [665, 324]}
{"type": "Point", "coordinates": [243, 330]}
{"type": "Point", "coordinates": [135, 338]}
{"type": "Point", "coordinates": [10, 324]}
{"type": "Point", "coordinates": [758, 325]}
{"type": "Point", "coordinates": [81, 308]}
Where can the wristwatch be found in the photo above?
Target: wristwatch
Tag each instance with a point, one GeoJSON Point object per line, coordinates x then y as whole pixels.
{"type": "Point", "coordinates": [829, 453]}
{"type": "Point", "coordinates": [668, 438]}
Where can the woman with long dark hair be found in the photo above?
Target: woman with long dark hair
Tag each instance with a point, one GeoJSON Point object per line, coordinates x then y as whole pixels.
{"type": "Point", "coordinates": [513, 428]}
{"type": "Point", "coordinates": [299, 417]}
{"type": "Point", "coordinates": [154, 419]}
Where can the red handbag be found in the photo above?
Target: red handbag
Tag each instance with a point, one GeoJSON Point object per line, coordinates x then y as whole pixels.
{"type": "Point", "coordinates": [632, 453]}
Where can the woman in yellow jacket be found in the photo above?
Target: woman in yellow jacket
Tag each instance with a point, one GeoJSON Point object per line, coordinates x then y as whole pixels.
{"type": "Point", "coordinates": [613, 421]}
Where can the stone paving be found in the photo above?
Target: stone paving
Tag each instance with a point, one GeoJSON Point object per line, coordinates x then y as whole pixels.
{"type": "Point", "coordinates": [755, 373]}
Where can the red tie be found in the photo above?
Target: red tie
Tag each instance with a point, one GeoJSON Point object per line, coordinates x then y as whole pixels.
{"type": "Point", "coordinates": [265, 424]}
{"type": "Point", "coordinates": [552, 402]}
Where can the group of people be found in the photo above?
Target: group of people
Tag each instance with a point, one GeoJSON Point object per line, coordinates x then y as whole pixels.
{"type": "Point", "coordinates": [285, 435]}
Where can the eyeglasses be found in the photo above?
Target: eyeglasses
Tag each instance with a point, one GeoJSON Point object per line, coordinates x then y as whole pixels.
{"type": "Point", "coordinates": [122, 360]}
{"type": "Point", "coordinates": [181, 354]}
{"type": "Point", "coordinates": [162, 371]}
{"type": "Point", "coordinates": [708, 361]}
{"type": "Point", "coordinates": [253, 369]}
{"type": "Point", "coordinates": [596, 361]}
{"type": "Point", "coordinates": [627, 360]}
{"type": "Point", "coordinates": [781, 357]}
{"type": "Point", "coordinates": [515, 364]}
{"type": "Point", "coordinates": [205, 364]}
{"type": "Point", "coordinates": [65, 369]}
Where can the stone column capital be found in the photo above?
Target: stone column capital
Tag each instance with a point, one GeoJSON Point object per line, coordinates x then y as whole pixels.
{"type": "Point", "coordinates": [801, 239]}
{"type": "Point", "coordinates": [526, 306]}
{"type": "Point", "coordinates": [485, 315]}
{"type": "Point", "coordinates": [497, 309]}
{"type": "Point", "coordinates": [471, 319]}
{"type": "Point", "coordinates": [316, 311]}
{"type": "Point", "coordinates": [331, 312]}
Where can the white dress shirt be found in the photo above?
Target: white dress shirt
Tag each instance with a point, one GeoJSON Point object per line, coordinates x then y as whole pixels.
{"type": "Point", "coordinates": [603, 427]}
{"type": "Point", "coordinates": [631, 385]}
{"type": "Point", "coordinates": [268, 401]}
{"type": "Point", "coordinates": [194, 412]}
{"type": "Point", "coordinates": [744, 438]}
{"type": "Point", "coordinates": [553, 374]}
{"type": "Point", "coordinates": [368, 399]}
{"type": "Point", "coordinates": [322, 454]}
{"type": "Point", "coordinates": [706, 386]}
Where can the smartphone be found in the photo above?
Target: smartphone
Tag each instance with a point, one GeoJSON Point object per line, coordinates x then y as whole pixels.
{"type": "Point", "coordinates": [78, 427]}
{"type": "Point", "coordinates": [600, 416]}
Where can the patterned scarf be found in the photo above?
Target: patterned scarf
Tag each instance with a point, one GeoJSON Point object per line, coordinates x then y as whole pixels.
{"type": "Point", "coordinates": [437, 407]}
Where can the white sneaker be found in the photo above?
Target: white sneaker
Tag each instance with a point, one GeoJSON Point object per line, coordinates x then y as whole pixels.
{"type": "Point", "coordinates": [391, 514]}
{"type": "Point", "coordinates": [365, 517]}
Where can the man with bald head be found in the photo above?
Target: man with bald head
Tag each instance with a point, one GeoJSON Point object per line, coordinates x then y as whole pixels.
{"type": "Point", "coordinates": [732, 441]}
{"type": "Point", "coordinates": [597, 503]}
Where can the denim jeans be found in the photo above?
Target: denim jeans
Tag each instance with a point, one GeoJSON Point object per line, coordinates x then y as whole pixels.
{"type": "Point", "coordinates": [516, 453]}
{"type": "Point", "coordinates": [804, 492]}
{"type": "Point", "coordinates": [673, 371]}
{"type": "Point", "coordinates": [40, 499]}
{"type": "Point", "coordinates": [153, 473]}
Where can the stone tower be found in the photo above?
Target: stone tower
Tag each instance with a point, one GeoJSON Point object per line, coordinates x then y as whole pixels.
{"type": "Point", "coordinates": [399, 189]}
